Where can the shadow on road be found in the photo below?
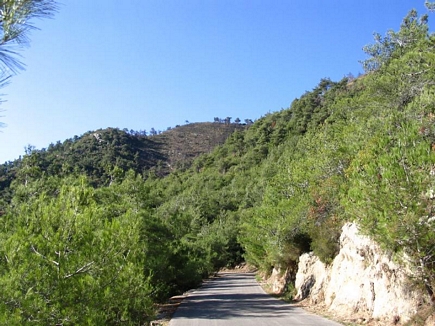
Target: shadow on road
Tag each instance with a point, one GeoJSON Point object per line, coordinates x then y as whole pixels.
{"type": "Point", "coordinates": [223, 298]}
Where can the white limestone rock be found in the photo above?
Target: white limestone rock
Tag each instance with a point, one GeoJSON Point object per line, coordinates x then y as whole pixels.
{"type": "Point", "coordinates": [278, 280]}
{"type": "Point", "coordinates": [362, 281]}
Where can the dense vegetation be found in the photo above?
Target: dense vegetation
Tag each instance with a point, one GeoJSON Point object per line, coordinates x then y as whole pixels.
{"type": "Point", "coordinates": [99, 244]}
{"type": "Point", "coordinates": [103, 155]}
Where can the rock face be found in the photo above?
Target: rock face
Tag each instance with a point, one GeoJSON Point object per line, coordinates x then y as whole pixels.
{"type": "Point", "coordinates": [278, 280]}
{"type": "Point", "coordinates": [361, 282]}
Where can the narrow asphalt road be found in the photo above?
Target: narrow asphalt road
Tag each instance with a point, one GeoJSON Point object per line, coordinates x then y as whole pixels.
{"type": "Point", "coordinates": [237, 299]}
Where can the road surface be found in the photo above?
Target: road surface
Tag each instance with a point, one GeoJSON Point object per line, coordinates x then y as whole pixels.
{"type": "Point", "coordinates": [237, 299]}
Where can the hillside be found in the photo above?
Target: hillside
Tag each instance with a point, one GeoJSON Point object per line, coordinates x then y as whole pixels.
{"type": "Point", "coordinates": [97, 153]}
{"type": "Point", "coordinates": [359, 150]}
{"type": "Point", "coordinates": [180, 145]}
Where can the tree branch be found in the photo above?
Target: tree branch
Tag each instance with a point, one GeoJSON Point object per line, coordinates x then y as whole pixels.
{"type": "Point", "coordinates": [82, 269]}
{"type": "Point", "coordinates": [41, 255]}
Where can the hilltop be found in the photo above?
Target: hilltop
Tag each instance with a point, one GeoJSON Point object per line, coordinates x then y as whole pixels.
{"type": "Point", "coordinates": [102, 154]}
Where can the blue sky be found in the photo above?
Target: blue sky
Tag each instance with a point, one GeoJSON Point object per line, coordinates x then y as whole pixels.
{"type": "Point", "coordinates": [139, 64]}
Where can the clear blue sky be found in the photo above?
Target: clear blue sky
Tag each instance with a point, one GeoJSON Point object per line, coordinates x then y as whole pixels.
{"type": "Point", "coordinates": [139, 64]}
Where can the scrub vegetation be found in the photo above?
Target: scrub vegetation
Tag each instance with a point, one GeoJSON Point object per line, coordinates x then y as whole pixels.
{"type": "Point", "coordinates": [97, 229]}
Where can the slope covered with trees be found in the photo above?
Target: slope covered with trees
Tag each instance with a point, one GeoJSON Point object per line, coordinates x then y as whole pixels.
{"type": "Point", "coordinates": [360, 149]}
{"type": "Point", "coordinates": [105, 154]}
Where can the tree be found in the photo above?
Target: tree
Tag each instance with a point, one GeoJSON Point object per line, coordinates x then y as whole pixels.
{"type": "Point", "coordinates": [15, 25]}
{"type": "Point", "coordinates": [63, 261]}
{"type": "Point", "coordinates": [391, 195]}
{"type": "Point", "coordinates": [430, 5]}
{"type": "Point", "coordinates": [411, 31]}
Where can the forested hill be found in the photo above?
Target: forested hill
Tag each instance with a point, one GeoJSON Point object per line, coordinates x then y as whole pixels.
{"type": "Point", "coordinates": [103, 153]}
{"type": "Point", "coordinates": [359, 149]}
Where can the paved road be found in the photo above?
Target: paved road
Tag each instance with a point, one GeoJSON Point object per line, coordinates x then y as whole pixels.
{"type": "Point", "coordinates": [237, 299]}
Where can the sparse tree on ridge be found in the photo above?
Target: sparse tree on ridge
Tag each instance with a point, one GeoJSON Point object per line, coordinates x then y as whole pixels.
{"type": "Point", "coordinates": [430, 5]}
{"type": "Point", "coordinates": [412, 29]}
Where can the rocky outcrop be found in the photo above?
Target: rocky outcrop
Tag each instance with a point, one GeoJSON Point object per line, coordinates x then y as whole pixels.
{"type": "Point", "coordinates": [278, 280]}
{"type": "Point", "coordinates": [362, 281]}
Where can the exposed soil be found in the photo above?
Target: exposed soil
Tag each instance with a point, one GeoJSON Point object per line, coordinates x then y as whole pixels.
{"type": "Point", "coordinates": [166, 310]}
{"type": "Point", "coordinates": [425, 317]}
